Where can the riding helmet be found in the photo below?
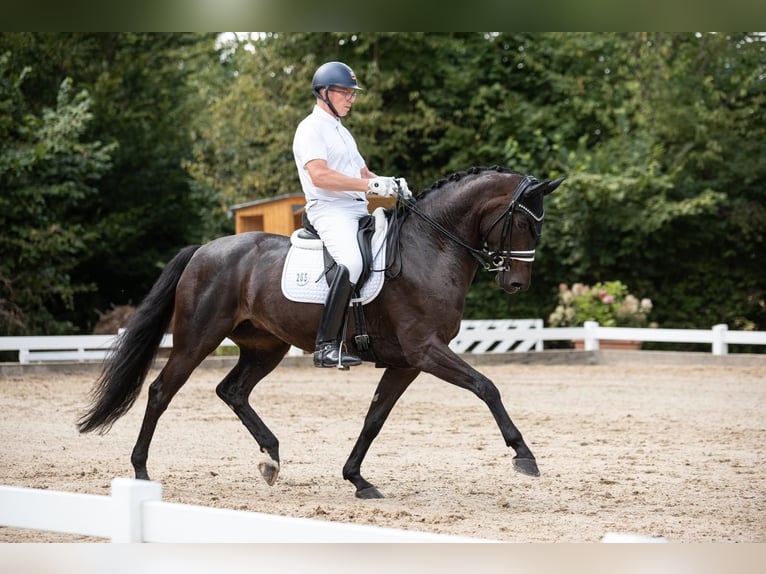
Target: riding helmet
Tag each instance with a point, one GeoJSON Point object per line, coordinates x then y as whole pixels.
{"type": "Point", "coordinates": [333, 74]}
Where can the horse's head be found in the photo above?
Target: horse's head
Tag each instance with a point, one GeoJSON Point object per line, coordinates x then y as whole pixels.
{"type": "Point", "coordinates": [516, 225]}
{"type": "Point", "coordinates": [500, 209]}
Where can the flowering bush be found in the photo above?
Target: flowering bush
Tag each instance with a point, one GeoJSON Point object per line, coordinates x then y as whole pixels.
{"type": "Point", "coordinates": [609, 303]}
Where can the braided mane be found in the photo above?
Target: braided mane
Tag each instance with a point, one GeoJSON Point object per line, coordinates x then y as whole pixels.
{"type": "Point", "coordinates": [393, 267]}
{"type": "Point", "coordinates": [457, 176]}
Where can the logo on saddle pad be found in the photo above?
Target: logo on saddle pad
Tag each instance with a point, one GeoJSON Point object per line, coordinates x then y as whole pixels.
{"type": "Point", "coordinates": [303, 276]}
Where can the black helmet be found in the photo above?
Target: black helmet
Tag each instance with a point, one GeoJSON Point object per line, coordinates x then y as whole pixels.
{"type": "Point", "coordinates": [333, 74]}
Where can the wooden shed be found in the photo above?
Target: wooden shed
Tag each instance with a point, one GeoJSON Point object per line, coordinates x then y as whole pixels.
{"type": "Point", "coordinates": [281, 214]}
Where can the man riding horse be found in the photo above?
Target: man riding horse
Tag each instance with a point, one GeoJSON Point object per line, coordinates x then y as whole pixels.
{"type": "Point", "coordinates": [488, 218]}
{"type": "Point", "coordinates": [335, 179]}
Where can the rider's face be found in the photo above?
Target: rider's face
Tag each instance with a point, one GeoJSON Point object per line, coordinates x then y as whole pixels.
{"type": "Point", "coordinates": [342, 99]}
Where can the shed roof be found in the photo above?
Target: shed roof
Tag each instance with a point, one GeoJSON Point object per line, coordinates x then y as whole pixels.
{"type": "Point", "coordinates": [264, 201]}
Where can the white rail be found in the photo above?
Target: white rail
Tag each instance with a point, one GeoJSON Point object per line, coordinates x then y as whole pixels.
{"type": "Point", "coordinates": [719, 337]}
{"type": "Point", "coordinates": [135, 512]}
{"type": "Point", "coordinates": [530, 331]}
{"type": "Point", "coordinates": [475, 336]}
{"type": "Point", "coordinates": [498, 336]}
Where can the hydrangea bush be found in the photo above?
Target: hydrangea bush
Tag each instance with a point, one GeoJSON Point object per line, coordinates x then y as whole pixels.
{"type": "Point", "coordinates": [609, 303]}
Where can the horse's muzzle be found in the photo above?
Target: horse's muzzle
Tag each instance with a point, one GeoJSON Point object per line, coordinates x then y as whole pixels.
{"type": "Point", "coordinates": [512, 281]}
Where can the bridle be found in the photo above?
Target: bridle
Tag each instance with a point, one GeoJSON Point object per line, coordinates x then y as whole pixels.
{"type": "Point", "coordinates": [492, 261]}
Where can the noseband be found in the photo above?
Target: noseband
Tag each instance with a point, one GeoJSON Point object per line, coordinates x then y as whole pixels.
{"type": "Point", "coordinates": [493, 261]}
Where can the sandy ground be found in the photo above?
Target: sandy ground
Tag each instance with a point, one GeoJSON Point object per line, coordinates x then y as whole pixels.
{"type": "Point", "coordinates": [670, 451]}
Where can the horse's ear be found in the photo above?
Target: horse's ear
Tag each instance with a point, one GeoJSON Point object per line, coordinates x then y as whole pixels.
{"type": "Point", "coordinates": [544, 187]}
{"type": "Point", "coordinates": [553, 185]}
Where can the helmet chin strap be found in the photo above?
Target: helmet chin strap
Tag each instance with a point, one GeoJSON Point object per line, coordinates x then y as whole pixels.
{"type": "Point", "coordinates": [326, 100]}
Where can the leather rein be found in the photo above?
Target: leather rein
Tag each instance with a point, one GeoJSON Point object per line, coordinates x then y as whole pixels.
{"type": "Point", "coordinates": [492, 261]}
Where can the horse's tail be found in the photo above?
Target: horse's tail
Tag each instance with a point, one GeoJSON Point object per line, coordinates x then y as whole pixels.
{"type": "Point", "coordinates": [125, 369]}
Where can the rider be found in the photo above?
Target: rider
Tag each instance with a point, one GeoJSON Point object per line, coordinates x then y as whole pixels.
{"type": "Point", "coordinates": [335, 179]}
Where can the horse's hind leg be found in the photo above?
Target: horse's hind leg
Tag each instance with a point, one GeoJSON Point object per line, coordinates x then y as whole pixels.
{"type": "Point", "coordinates": [235, 390]}
{"type": "Point", "coordinates": [392, 385]}
{"type": "Point", "coordinates": [172, 377]}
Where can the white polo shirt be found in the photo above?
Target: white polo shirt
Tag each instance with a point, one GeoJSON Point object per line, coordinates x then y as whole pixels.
{"type": "Point", "coordinates": [322, 136]}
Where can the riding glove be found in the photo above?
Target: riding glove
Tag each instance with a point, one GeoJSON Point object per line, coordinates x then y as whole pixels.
{"type": "Point", "coordinates": [404, 189]}
{"type": "Point", "coordinates": [382, 186]}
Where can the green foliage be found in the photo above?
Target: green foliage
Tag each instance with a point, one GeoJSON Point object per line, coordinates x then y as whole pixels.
{"type": "Point", "coordinates": [242, 146]}
{"type": "Point", "coordinates": [143, 100]}
{"type": "Point", "coordinates": [660, 136]}
{"type": "Point", "coordinates": [147, 98]}
{"type": "Point", "coordinates": [47, 170]}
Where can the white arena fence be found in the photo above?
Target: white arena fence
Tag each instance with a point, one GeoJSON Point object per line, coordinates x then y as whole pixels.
{"type": "Point", "coordinates": [135, 512]}
{"type": "Point", "coordinates": [475, 336]}
{"type": "Point", "coordinates": [519, 335]}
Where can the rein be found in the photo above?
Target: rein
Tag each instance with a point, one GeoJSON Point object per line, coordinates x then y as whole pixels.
{"type": "Point", "coordinates": [492, 261]}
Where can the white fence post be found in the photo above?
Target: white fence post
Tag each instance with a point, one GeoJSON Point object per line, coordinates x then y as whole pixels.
{"type": "Point", "coordinates": [539, 324]}
{"type": "Point", "coordinates": [128, 496]}
{"type": "Point", "coordinates": [720, 346]}
{"type": "Point", "coordinates": [591, 335]}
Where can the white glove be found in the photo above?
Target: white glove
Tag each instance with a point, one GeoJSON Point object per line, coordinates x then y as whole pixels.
{"type": "Point", "coordinates": [404, 189]}
{"type": "Point", "coordinates": [382, 186]}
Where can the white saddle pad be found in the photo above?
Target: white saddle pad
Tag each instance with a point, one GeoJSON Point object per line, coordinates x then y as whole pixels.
{"type": "Point", "coordinates": [303, 279]}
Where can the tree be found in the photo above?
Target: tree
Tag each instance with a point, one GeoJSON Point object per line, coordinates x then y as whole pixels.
{"type": "Point", "coordinates": [47, 169]}
{"type": "Point", "coordinates": [664, 179]}
{"type": "Point", "coordinates": [660, 136]}
{"type": "Point", "coordinates": [143, 97]}
{"type": "Point", "coordinates": [659, 203]}
{"type": "Point", "coordinates": [405, 121]}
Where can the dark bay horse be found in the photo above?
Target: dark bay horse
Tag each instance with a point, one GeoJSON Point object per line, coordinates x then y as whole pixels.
{"type": "Point", "coordinates": [230, 287]}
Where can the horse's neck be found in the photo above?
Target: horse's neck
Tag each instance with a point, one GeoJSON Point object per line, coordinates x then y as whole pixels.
{"type": "Point", "coordinates": [459, 207]}
{"type": "Point", "coordinates": [458, 210]}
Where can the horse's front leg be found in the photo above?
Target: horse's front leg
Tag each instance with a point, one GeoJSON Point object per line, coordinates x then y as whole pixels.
{"type": "Point", "coordinates": [439, 360]}
{"type": "Point", "coordinates": [392, 385]}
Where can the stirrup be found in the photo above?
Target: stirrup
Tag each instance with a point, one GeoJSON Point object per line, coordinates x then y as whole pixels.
{"type": "Point", "coordinates": [330, 355]}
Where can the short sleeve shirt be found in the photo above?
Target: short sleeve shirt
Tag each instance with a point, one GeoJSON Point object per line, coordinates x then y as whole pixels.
{"type": "Point", "coordinates": [321, 136]}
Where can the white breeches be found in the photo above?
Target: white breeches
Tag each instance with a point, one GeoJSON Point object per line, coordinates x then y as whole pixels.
{"type": "Point", "coordinates": [337, 224]}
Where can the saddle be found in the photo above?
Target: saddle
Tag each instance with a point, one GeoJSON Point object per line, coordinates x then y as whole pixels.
{"type": "Point", "coordinates": [308, 262]}
{"type": "Point", "coordinates": [363, 238]}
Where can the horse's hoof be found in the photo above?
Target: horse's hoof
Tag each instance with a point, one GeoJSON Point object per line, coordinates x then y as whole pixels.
{"type": "Point", "coordinates": [526, 466]}
{"type": "Point", "coordinates": [269, 471]}
{"type": "Point", "coordinates": [369, 493]}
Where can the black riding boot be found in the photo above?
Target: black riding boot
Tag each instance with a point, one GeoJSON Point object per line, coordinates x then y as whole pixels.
{"type": "Point", "coordinates": [328, 344]}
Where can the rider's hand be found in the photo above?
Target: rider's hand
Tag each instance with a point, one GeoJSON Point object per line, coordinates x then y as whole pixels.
{"type": "Point", "coordinates": [404, 189]}
{"type": "Point", "coordinates": [382, 186]}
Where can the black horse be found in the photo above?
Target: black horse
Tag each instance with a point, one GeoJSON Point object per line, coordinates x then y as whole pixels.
{"type": "Point", "coordinates": [230, 287]}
